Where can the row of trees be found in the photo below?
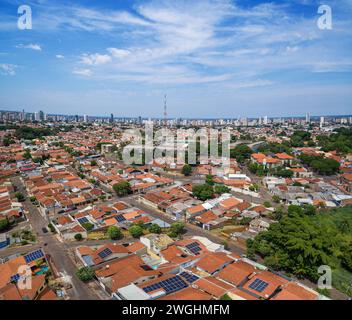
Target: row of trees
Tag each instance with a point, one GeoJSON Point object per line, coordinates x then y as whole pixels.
{"type": "Point", "coordinates": [324, 166]}
{"type": "Point", "coordinates": [261, 170]}
{"type": "Point", "coordinates": [275, 147]}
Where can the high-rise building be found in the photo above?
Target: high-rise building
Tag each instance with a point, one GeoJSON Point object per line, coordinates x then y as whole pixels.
{"type": "Point", "coordinates": [36, 116]}
{"type": "Point", "coordinates": [265, 120]}
{"type": "Point", "coordinates": [85, 118]}
{"type": "Point", "coordinates": [322, 120]}
{"type": "Point", "coordinates": [41, 115]}
{"type": "Point", "coordinates": [307, 118]}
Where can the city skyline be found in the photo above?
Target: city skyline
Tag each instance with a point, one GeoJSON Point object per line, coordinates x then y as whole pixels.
{"type": "Point", "coordinates": [236, 58]}
{"type": "Point", "coordinates": [110, 116]}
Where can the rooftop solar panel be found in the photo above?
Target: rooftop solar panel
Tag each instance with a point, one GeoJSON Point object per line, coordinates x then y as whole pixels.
{"type": "Point", "coordinates": [189, 277]}
{"type": "Point", "coordinates": [120, 218]}
{"type": "Point", "coordinates": [170, 285]}
{"type": "Point", "coordinates": [82, 220]}
{"type": "Point", "coordinates": [258, 285]}
{"type": "Point", "coordinates": [194, 248]}
{"type": "Point", "coordinates": [33, 256]}
{"type": "Point", "coordinates": [15, 278]}
{"type": "Point", "coordinates": [105, 253]}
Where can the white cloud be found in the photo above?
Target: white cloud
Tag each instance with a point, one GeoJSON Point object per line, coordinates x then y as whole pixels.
{"type": "Point", "coordinates": [83, 72]}
{"type": "Point", "coordinates": [60, 56]}
{"type": "Point", "coordinates": [95, 59]}
{"type": "Point", "coordinates": [250, 84]}
{"type": "Point", "coordinates": [7, 69]}
{"type": "Point", "coordinates": [118, 53]}
{"type": "Point", "coordinates": [200, 41]}
{"type": "Point", "coordinates": [32, 46]}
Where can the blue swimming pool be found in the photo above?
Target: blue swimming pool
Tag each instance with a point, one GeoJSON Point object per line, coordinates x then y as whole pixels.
{"type": "Point", "coordinates": [42, 270]}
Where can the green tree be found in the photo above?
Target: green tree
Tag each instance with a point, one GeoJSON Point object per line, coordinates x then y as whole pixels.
{"type": "Point", "coordinates": [154, 228]}
{"type": "Point", "coordinates": [320, 164]}
{"type": "Point", "coordinates": [177, 228]}
{"type": "Point", "coordinates": [85, 274]}
{"type": "Point", "coordinates": [209, 179]}
{"type": "Point", "coordinates": [186, 170]}
{"type": "Point", "coordinates": [203, 192]}
{"type": "Point", "coordinates": [122, 188]}
{"type": "Point", "coordinates": [276, 199]}
{"type": "Point", "coordinates": [241, 153]}
{"type": "Point", "coordinates": [220, 189]}
{"type": "Point", "coordinates": [27, 154]}
{"type": "Point", "coordinates": [114, 233]}
{"type": "Point", "coordinates": [51, 227]}
{"type": "Point", "coordinates": [136, 231]}
{"type": "Point", "coordinates": [20, 196]}
{"type": "Point", "coordinates": [88, 226]}
{"type": "Point", "coordinates": [254, 187]}
{"type": "Point", "coordinates": [78, 237]}
{"type": "Point", "coordinates": [4, 224]}
{"type": "Point", "coordinates": [267, 204]}
{"type": "Point", "coordinates": [302, 241]}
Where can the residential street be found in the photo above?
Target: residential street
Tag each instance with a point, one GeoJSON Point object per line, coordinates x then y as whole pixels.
{"type": "Point", "coordinates": [58, 250]}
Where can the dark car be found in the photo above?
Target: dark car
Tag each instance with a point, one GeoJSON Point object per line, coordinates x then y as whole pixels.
{"type": "Point", "coordinates": [45, 230]}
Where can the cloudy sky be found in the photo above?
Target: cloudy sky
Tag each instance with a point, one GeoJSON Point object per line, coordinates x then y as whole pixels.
{"type": "Point", "coordinates": [213, 58]}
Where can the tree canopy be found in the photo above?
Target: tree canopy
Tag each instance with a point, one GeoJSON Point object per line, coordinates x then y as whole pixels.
{"type": "Point", "coordinates": [114, 233]}
{"type": "Point", "coordinates": [303, 240]}
{"type": "Point", "coordinates": [340, 140]}
{"type": "Point", "coordinates": [241, 152]}
{"type": "Point", "coordinates": [4, 224]}
{"type": "Point", "coordinates": [203, 191]}
{"type": "Point", "coordinates": [122, 188]}
{"type": "Point", "coordinates": [154, 228]}
{"type": "Point", "coordinates": [186, 170]}
{"type": "Point", "coordinates": [320, 164]}
{"type": "Point", "coordinates": [136, 231]}
{"type": "Point", "coordinates": [85, 274]}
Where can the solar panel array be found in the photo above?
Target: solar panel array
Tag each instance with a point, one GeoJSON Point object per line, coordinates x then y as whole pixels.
{"type": "Point", "coordinates": [82, 220]}
{"type": "Point", "coordinates": [258, 285]}
{"type": "Point", "coordinates": [120, 218]}
{"type": "Point", "coordinates": [189, 277]}
{"type": "Point", "coordinates": [105, 253]}
{"type": "Point", "coordinates": [194, 248]}
{"type": "Point", "coordinates": [33, 256]}
{"type": "Point", "coordinates": [15, 278]}
{"type": "Point", "coordinates": [169, 285]}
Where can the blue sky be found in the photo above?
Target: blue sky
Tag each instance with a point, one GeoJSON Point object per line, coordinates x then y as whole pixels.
{"type": "Point", "coordinates": [213, 58]}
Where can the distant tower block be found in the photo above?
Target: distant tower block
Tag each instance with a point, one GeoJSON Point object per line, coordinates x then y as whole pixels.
{"type": "Point", "coordinates": [165, 110]}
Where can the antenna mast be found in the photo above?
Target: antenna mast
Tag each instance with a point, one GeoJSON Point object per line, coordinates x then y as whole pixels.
{"type": "Point", "coordinates": [165, 110]}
